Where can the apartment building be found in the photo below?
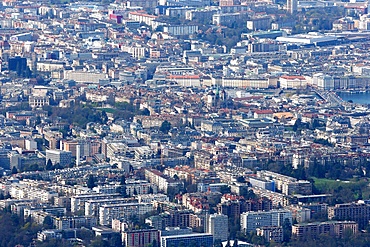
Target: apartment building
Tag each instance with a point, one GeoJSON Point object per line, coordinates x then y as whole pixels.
{"type": "Point", "coordinates": [205, 239]}
{"type": "Point", "coordinates": [107, 213]}
{"type": "Point", "coordinates": [218, 226]}
{"type": "Point", "coordinates": [271, 233]}
{"type": "Point", "coordinates": [78, 201]}
{"type": "Point", "coordinates": [250, 221]}
{"type": "Point", "coordinates": [162, 181]}
{"type": "Point", "coordinates": [141, 238]}
{"type": "Point", "coordinates": [332, 228]}
{"type": "Point", "coordinates": [358, 212]}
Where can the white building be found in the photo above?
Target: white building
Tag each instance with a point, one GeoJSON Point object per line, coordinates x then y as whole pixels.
{"type": "Point", "coordinates": [107, 213]}
{"type": "Point", "coordinates": [250, 221]}
{"type": "Point", "coordinates": [293, 82]}
{"type": "Point", "coordinates": [84, 76]}
{"type": "Point", "coordinates": [78, 201]}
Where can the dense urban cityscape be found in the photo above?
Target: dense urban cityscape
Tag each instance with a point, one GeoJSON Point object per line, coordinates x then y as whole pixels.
{"type": "Point", "coordinates": [173, 123]}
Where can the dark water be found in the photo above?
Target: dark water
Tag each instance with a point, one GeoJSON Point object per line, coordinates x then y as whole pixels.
{"type": "Point", "coordinates": [356, 97]}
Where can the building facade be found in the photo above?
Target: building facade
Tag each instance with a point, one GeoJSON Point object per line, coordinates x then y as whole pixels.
{"type": "Point", "coordinates": [218, 225]}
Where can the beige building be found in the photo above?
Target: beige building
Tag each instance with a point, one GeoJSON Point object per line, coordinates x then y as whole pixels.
{"type": "Point", "coordinates": [332, 228]}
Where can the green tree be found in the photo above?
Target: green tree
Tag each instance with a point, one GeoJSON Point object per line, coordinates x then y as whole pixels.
{"type": "Point", "coordinates": [225, 189]}
{"type": "Point", "coordinates": [165, 127]}
{"type": "Point", "coordinates": [217, 243]}
{"type": "Point", "coordinates": [90, 182]}
{"type": "Point", "coordinates": [48, 222]}
{"type": "Point", "coordinates": [104, 117]}
{"type": "Point", "coordinates": [49, 165]}
{"type": "Point", "coordinates": [154, 243]}
{"type": "Point", "coordinates": [297, 124]}
{"type": "Point", "coordinates": [287, 230]}
{"type": "Point", "coordinates": [122, 187]}
{"type": "Point", "coordinates": [145, 112]}
{"type": "Point", "coordinates": [228, 243]}
{"type": "Point", "coordinates": [240, 179]}
{"type": "Point", "coordinates": [14, 170]}
{"type": "Point", "coordinates": [123, 180]}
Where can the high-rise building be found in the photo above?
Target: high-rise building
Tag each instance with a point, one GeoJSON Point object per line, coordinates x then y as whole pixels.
{"type": "Point", "coordinates": [292, 6]}
{"type": "Point", "coordinates": [218, 226]}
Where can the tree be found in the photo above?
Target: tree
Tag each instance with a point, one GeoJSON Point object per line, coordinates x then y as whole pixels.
{"type": "Point", "coordinates": [150, 190]}
{"type": "Point", "coordinates": [14, 170]}
{"type": "Point", "coordinates": [99, 242]}
{"type": "Point", "coordinates": [48, 222]}
{"type": "Point", "coordinates": [217, 243]}
{"type": "Point", "coordinates": [122, 187]}
{"type": "Point", "coordinates": [104, 117]}
{"type": "Point", "coordinates": [123, 180]}
{"type": "Point", "coordinates": [287, 230]}
{"type": "Point", "coordinates": [165, 127]}
{"type": "Point", "coordinates": [225, 189]}
{"type": "Point", "coordinates": [145, 112]}
{"type": "Point", "coordinates": [228, 243]}
{"type": "Point", "coordinates": [49, 165]}
{"type": "Point", "coordinates": [297, 124]}
{"type": "Point", "coordinates": [91, 182]}
{"type": "Point", "coordinates": [154, 243]}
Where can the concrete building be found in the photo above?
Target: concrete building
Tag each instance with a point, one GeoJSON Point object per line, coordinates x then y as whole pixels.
{"type": "Point", "coordinates": [332, 228]}
{"type": "Point", "coordinates": [250, 221]}
{"type": "Point", "coordinates": [140, 238]}
{"type": "Point", "coordinates": [205, 239]}
{"type": "Point", "coordinates": [292, 6]}
{"type": "Point", "coordinates": [259, 23]}
{"type": "Point", "coordinates": [271, 233]}
{"type": "Point", "coordinates": [180, 30]}
{"type": "Point", "coordinates": [163, 182]}
{"type": "Point", "coordinates": [107, 213]}
{"type": "Point", "coordinates": [358, 212]}
{"type": "Point", "coordinates": [63, 158]}
{"type": "Point", "coordinates": [218, 226]}
{"type": "Point", "coordinates": [293, 82]}
{"type": "Point", "coordinates": [38, 101]}
{"type": "Point", "coordinates": [78, 201]}
{"type": "Point", "coordinates": [84, 76]}
{"type": "Point", "coordinates": [267, 185]}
